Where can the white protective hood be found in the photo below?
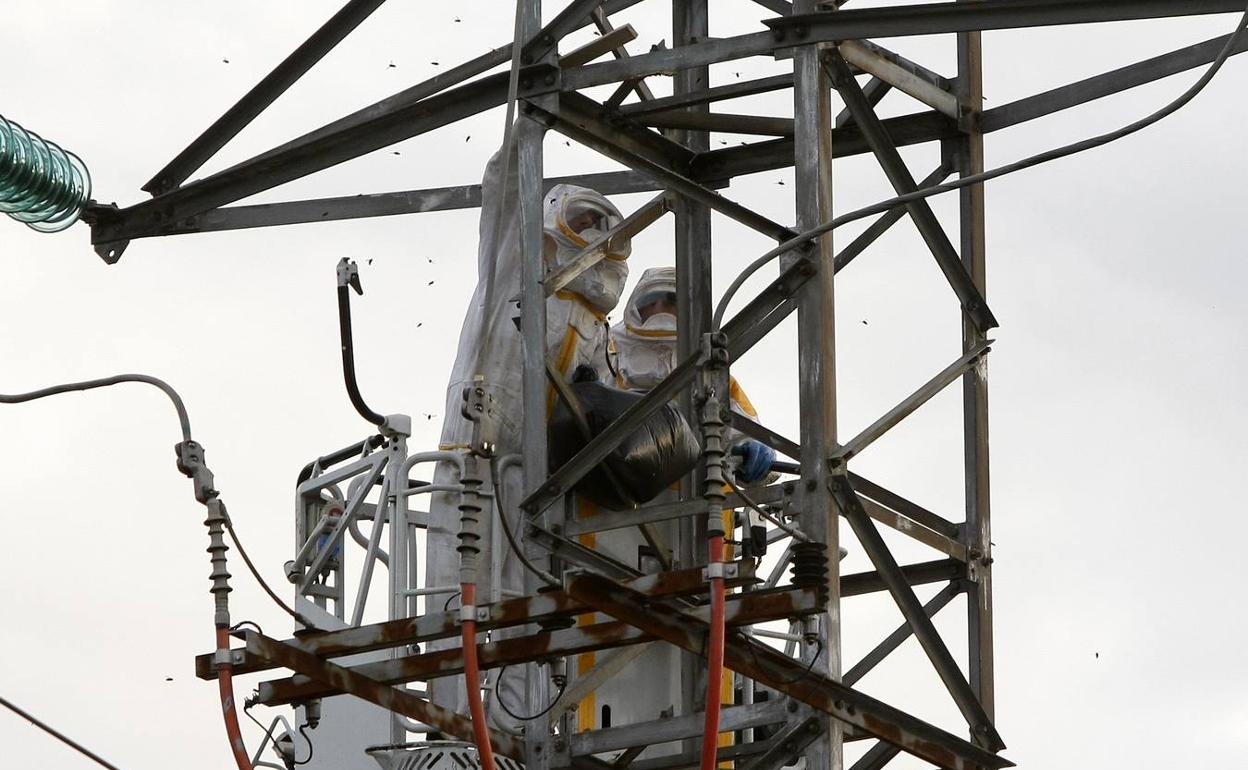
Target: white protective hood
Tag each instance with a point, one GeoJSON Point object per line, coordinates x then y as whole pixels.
{"type": "Point", "coordinates": [646, 350]}
{"type": "Point", "coordinates": [602, 284]}
{"type": "Point", "coordinates": [575, 330]}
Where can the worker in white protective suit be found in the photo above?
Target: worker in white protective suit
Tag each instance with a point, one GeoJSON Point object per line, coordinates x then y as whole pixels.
{"type": "Point", "coordinates": [490, 346]}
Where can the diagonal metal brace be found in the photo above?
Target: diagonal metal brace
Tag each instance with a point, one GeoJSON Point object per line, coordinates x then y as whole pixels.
{"type": "Point", "coordinates": [912, 402]}
{"type": "Point", "coordinates": [942, 660]}
{"type": "Point", "coordinates": [903, 182]}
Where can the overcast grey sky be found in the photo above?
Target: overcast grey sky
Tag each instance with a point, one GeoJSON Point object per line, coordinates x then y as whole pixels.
{"type": "Point", "coordinates": [1116, 382]}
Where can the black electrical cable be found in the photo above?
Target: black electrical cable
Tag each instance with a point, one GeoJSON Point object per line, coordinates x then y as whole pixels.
{"type": "Point", "coordinates": [498, 697]}
{"type": "Point", "coordinates": [268, 732]}
{"type": "Point", "coordinates": [447, 606]}
{"type": "Point", "coordinates": [542, 574]}
{"type": "Point", "coordinates": [311, 750]}
{"type": "Point", "coordinates": [184, 420]}
{"type": "Point", "coordinates": [237, 626]}
{"type": "Point", "coordinates": [58, 735]}
{"type": "Point", "coordinates": [606, 353]}
{"type": "Point", "coordinates": [348, 358]}
{"type": "Point", "coordinates": [1025, 163]}
{"type": "Point", "coordinates": [229, 528]}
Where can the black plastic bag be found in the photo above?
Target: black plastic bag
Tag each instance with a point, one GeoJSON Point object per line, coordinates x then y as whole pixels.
{"type": "Point", "coordinates": [648, 461]}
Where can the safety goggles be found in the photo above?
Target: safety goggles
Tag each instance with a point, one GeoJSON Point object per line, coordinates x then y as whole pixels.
{"type": "Point", "coordinates": [583, 215]}
{"type": "Point", "coordinates": [652, 297]}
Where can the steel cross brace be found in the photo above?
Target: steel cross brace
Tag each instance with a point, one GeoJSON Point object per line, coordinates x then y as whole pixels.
{"type": "Point", "coordinates": [912, 402]}
{"type": "Point", "coordinates": [901, 634]}
{"type": "Point", "coordinates": [885, 220]}
{"type": "Point", "coordinates": [903, 182]}
{"type": "Point", "coordinates": [918, 620]}
{"type": "Point", "coordinates": [776, 670]}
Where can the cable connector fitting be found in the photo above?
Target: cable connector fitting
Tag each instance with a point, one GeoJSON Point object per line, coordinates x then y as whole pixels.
{"type": "Point", "coordinates": [349, 275]}
{"type": "Point", "coordinates": [473, 613]}
{"type": "Point", "coordinates": [715, 570]}
{"type": "Point", "coordinates": [396, 425]}
{"type": "Point", "coordinates": [191, 464]}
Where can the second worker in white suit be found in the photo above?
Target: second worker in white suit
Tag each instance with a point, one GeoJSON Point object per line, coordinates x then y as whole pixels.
{"type": "Point", "coordinates": [644, 350]}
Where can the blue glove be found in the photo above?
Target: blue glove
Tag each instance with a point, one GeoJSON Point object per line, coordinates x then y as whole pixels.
{"type": "Point", "coordinates": [756, 460]}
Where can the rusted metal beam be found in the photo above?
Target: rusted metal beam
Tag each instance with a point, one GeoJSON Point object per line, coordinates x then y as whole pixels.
{"type": "Point", "coordinates": [742, 609]}
{"type": "Point", "coordinates": [441, 625]}
{"type": "Point", "coordinates": [346, 680]}
{"type": "Point", "coordinates": [776, 670]}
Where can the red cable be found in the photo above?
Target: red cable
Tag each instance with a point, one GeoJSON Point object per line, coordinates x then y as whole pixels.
{"type": "Point", "coordinates": [472, 681]}
{"type": "Point", "coordinates": [715, 658]}
{"type": "Point", "coordinates": [225, 683]}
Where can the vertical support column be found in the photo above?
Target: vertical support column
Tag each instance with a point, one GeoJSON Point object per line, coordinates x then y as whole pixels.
{"type": "Point", "coordinates": [693, 220]}
{"type": "Point", "coordinates": [976, 531]}
{"type": "Point", "coordinates": [396, 504]}
{"type": "Point", "coordinates": [812, 147]}
{"type": "Point", "coordinates": [693, 288]}
{"type": "Point", "coordinates": [529, 135]}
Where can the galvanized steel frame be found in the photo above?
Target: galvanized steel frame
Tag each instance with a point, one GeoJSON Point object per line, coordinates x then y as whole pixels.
{"type": "Point", "coordinates": [821, 710]}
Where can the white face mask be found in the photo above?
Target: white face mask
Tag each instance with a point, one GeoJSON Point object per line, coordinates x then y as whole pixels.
{"type": "Point", "coordinates": [660, 322]}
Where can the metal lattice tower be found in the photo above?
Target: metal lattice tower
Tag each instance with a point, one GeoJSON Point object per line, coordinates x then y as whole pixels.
{"type": "Point", "coordinates": [838, 75]}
